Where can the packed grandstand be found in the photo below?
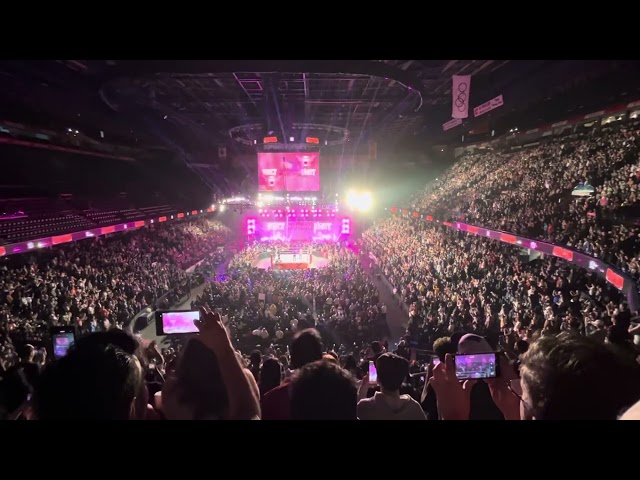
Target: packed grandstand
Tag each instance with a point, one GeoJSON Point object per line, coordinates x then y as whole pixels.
{"type": "Point", "coordinates": [442, 306]}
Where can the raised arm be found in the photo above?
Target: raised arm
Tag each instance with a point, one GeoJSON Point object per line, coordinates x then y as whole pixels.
{"type": "Point", "coordinates": [243, 402]}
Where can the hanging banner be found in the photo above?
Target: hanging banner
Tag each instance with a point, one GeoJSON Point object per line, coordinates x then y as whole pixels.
{"type": "Point", "coordinates": [454, 122]}
{"type": "Point", "coordinates": [488, 106]}
{"type": "Point", "coordinates": [460, 96]}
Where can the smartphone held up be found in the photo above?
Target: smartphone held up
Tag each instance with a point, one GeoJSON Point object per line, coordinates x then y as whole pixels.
{"type": "Point", "coordinates": [373, 373]}
{"type": "Point", "coordinates": [62, 338]}
{"type": "Point", "coordinates": [176, 322]}
{"type": "Point", "coordinates": [477, 366]}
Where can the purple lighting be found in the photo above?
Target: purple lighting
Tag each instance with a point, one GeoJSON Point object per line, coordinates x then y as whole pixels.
{"type": "Point", "coordinates": [346, 226]}
{"type": "Point", "coordinates": [288, 171]}
{"type": "Point", "coordinates": [251, 226]}
{"type": "Point", "coordinates": [275, 226]}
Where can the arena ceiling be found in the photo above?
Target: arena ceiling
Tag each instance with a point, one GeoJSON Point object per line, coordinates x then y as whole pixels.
{"type": "Point", "coordinates": [195, 104]}
{"type": "Point", "coordinates": [385, 100]}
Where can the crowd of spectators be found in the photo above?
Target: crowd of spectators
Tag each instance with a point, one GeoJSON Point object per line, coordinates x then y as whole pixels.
{"type": "Point", "coordinates": [98, 283]}
{"type": "Point", "coordinates": [265, 308]}
{"type": "Point", "coordinates": [260, 312]}
{"type": "Point", "coordinates": [528, 192]}
{"type": "Point", "coordinates": [463, 294]}
{"type": "Point", "coordinates": [450, 281]}
{"type": "Point", "coordinates": [301, 344]}
{"type": "Point", "coordinates": [105, 376]}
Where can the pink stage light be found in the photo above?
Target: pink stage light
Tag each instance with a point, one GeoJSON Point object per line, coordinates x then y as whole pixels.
{"type": "Point", "coordinates": [346, 226]}
{"type": "Point", "coordinates": [251, 226]}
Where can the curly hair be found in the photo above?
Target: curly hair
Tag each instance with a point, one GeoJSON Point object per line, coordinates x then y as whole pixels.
{"type": "Point", "coordinates": [573, 377]}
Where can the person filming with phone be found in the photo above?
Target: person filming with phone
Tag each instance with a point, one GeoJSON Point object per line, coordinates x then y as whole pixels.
{"type": "Point", "coordinates": [562, 377]}
{"type": "Point", "coordinates": [388, 404]}
{"type": "Point", "coordinates": [101, 378]}
{"type": "Point", "coordinates": [210, 383]}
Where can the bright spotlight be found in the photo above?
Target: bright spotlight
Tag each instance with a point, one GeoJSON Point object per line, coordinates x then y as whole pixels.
{"type": "Point", "coordinates": [223, 208]}
{"type": "Point", "coordinates": [365, 201]}
{"type": "Point", "coordinates": [359, 201]}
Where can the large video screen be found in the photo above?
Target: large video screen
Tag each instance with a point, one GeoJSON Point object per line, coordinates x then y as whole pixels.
{"type": "Point", "coordinates": [290, 171]}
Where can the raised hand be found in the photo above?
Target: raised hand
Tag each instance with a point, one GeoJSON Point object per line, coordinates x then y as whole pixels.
{"type": "Point", "coordinates": [504, 398]}
{"type": "Point", "coordinates": [454, 397]}
{"type": "Point", "coordinates": [212, 331]}
{"type": "Point", "coordinates": [364, 387]}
